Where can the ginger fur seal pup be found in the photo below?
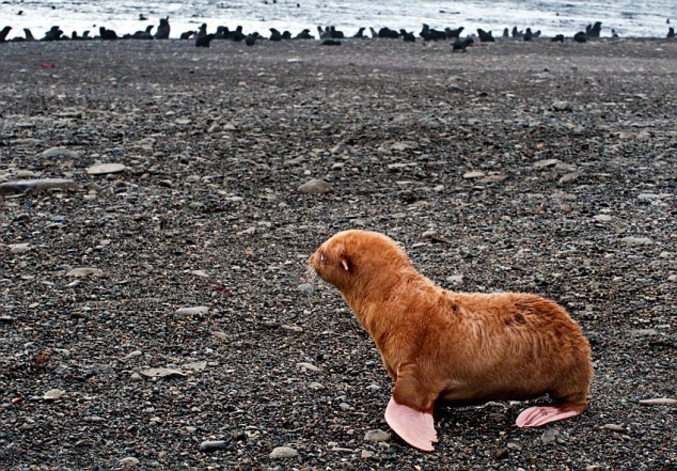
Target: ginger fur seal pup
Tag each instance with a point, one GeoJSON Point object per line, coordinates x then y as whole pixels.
{"type": "Point", "coordinates": [463, 348]}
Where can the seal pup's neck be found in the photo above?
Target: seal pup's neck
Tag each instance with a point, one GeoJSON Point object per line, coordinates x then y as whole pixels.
{"type": "Point", "coordinates": [374, 275]}
{"type": "Point", "coordinates": [370, 294]}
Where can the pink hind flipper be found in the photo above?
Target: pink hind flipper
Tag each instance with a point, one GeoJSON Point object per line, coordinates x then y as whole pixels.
{"type": "Point", "coordinates": [537, 416]}
{"type": "Point", "coordinates": [414, 427]}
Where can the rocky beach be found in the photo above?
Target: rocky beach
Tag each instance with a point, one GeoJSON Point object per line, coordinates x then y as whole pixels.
{"type": "Point", "coordinates": [159, 202]}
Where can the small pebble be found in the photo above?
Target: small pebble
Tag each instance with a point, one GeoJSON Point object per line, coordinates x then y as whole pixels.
{"type": "Point", "coordinates": [306, 289]}
{"type": "Point", "coordinates": [283, 452]}
{"type": "Point", "coordinates": [456, 279]}
{"type": "Point", "coordinates": [546, 163]}
{"type": "Point", "coordinates": [315, 186]}
{"type": "Point", "coordinates": [53, 394]}
{"type": "Point", "coordinates": [659, 401]}
{"type": "Point", "coordinates": [652, 196]}
{"type": "Point", "coordinates": [630, 241]}
{"type": "Point", "coordinates": [85, 271]}
{"type": "Point", "coordinates": [549, 435]}
{"type": "Point", "coordinates": [643, 332]}
{"type": "Point", "coordinates": [570, 177]}
{"type": "Point", "coordinates": [191, 311]}
{"type": "Point", "coordinates": [195, 366]}
{"type": "Point", "coordinates": [430, 234]}
{"type": "Point", "coordinates": [209, 446]}
{"type": "Point", "coordinates": [60, 152]}
{"type": "Point", "coordinates": [473, 174]}
{"type": "Point", "coordinates": [562, 105]}
{"type": "Point", "coordinates": [22, 186]}
{"type": "Point", "coordinates": [305, 366]}
{"type": "Point", "coordinates": [134, 354]}
{"type": "Point", "coordinates": [377, 436]}
{"type": "Point", "coordinates": [514, 446]}
{"type": "Point", "coordinates": [613, 428]}
{"type": "Point", "coordinates": [17, 249]}
{"type": "Point", "coordinates": [102, 369]}
{"type": "Point", "coordinates": [501, 453]}
{"type": "Point", "coordinates": [105, 169]}
{"type": "Point", "coordinates": [129, 462]}
{"type": "Point", "coordinates": [160, 372]}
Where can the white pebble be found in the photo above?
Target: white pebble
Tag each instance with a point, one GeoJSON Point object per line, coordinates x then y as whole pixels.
{"type": "Point", "coordinates": [283, 452]}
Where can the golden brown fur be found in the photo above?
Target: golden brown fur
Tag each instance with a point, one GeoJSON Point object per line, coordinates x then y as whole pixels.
{"type": "Point", "coordinates": [459, 347]}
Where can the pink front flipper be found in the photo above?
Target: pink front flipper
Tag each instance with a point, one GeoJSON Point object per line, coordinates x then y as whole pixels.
{"type": "Point", "coordinates": [537, 416]}
{"type": "Point", "coordinates": [414, 427]}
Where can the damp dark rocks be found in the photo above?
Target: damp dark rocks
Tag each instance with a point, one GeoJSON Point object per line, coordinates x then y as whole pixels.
{"type": "Point", "coordinates": [159, 300]}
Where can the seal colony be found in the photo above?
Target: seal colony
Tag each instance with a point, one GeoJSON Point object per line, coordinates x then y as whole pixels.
{"type": "Point", "coordinates": [327, 35]}
{"type": "Point", "coordinates": [461, 348]}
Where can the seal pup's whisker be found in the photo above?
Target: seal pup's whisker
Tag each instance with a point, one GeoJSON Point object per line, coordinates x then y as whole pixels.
{"type": "Point", "coordinates": [311, 276]}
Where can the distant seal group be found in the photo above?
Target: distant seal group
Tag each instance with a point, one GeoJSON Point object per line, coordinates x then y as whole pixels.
{"type": "Point", "coordinates": [328, 35]}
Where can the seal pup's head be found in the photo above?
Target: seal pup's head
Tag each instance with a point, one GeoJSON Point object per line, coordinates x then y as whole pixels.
{"type": "Point", "coordinates": [357, 257]}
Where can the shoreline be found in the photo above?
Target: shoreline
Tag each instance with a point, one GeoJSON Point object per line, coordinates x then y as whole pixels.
{"type": "Point", "coordinates": [609, 55]}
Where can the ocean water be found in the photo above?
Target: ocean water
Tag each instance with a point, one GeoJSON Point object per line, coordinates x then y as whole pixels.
{"type": "Point", "coordinates": [629, 18]}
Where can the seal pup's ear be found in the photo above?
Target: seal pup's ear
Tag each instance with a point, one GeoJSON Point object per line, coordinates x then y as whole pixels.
{"type": "Point", "coordinates": [345, 263]}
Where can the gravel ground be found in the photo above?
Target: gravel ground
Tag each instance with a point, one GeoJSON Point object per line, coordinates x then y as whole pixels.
{"type": "Point", "coordinates": [538, 167]}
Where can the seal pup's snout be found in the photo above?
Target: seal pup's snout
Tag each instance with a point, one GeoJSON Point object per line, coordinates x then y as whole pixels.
{"type": "Point", "coordinates": [333, 264]}
{"type": "Point", "coordinates": [316, 259]}
{"type": "Point", "coordinates": [318, 264]}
